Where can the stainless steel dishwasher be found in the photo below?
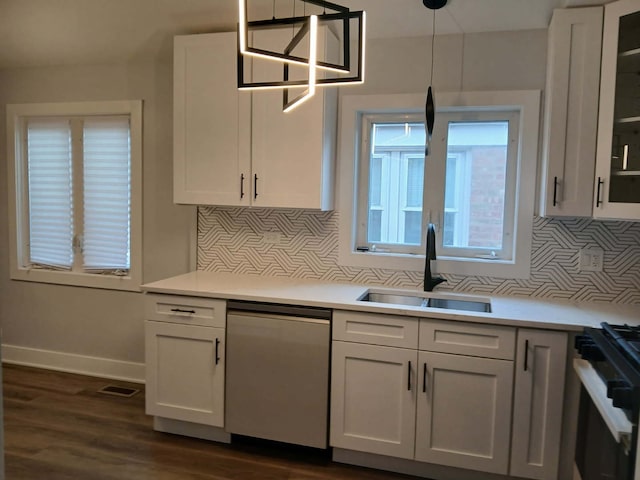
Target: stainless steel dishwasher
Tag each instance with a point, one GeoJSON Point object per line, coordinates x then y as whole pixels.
{"type": "Point", "coordinates": [277, 372]}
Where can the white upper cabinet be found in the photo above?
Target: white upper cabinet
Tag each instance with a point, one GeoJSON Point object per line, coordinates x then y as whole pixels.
{"type": "Point", "coordinates": [236, 147]}
{"type": "Point", "coordinates": [211, 122]}
{"type": "Point", "coordinates": [571, 112]}
{"type": "Point", "coordinates": [292, 153]}
{"type": "Point", "coordinates": [617, 179]}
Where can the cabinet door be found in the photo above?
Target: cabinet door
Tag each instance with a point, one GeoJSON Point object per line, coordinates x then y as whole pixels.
{"type": "Point", "coordinates": [571, 112]}
{"type": "Point", "coordinates": [292, 153]}
{"type": "Point", "coordinates": [211, 131]}
{"type": "Point", "coordinates": [373, 394]}
{"type": "Point", "coordinates": [618, 156]}
{"type": "Point", "coordinates": [537, 409]}
{"type": "Point", "coordinates": [464, 411]}
{"type": "Point", "coordinates": [185, 372]}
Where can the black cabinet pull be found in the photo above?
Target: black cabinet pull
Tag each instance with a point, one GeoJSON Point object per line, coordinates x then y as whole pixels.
{"type": "Point", "coordinates": [598, 201]}
{"type": "Point", "coordinates": [526, 355]}
{"type": "Point", "coordinates": [424, 378]}
{"type": "Point", "coordinates": [180, 310]}
{"type": "Point", "coordinates": [242, 185]}
{"type": "Point", "coordinates": [217, 351]}
{"type": "Point", "coordinates": [409, 377]}
{"type": "Point", "coordinates": [555, 191]}
{"type": "Point", "coordinates": [255, 185]}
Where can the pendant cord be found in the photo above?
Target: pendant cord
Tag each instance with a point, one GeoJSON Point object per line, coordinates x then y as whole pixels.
{"type": "Point", "coordinates": [433, 42]}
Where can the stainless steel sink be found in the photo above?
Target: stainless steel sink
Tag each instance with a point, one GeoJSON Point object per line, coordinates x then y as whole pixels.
{"type": "Point", "coordinates": [475, 305]}
{"type": "Point", "coordinates": [455, 304]}
{"type": "Point", "coordinates": [395, 299]}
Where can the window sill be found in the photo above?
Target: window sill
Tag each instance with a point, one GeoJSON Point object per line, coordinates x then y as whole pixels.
{"type": "Point", "coordinates": [89, 280]}
{"type": "Point", "coordinates": [444, 265]}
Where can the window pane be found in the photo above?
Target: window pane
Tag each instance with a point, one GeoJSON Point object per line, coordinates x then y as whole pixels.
{"type": "Point", "coordinates": [475, 184]}
{"type": "Point", "coordinates": [415, 182]}
{"type": "Point", "coordinates": [375, 181]}
{"type": "Point", "coordinates": [50, 193]}
{"type": "Point", "coordinates": [412, 227]}
{"type": "Point", "coordinates": [375, 226]}
{"type": "Point", "coordinates": [107, 194]}
{"type": "Point", "coordinates": [396, 179]}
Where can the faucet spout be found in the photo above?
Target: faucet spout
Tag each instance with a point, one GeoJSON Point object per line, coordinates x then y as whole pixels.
{"type": "Point", "coordinates": [430, 282]}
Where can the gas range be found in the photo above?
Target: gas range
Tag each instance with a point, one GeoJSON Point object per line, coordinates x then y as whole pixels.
{"type": "Point", "coordinates": [610, 402]}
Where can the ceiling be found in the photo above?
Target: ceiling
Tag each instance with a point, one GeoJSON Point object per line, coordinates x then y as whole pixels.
{"type": "Point", "coordinates": [63, 32]}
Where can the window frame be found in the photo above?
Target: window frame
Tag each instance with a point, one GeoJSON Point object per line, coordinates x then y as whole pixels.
{"type": "Point", "coordinates": [353, 107]}
{"type": "Point", "coordinates": [18, 193]}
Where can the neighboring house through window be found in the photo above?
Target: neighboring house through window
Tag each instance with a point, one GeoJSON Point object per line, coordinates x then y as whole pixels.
{"type": "Point", "coordinates": [75, 175]}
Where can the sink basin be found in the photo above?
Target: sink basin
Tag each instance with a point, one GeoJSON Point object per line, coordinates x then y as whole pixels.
{"type": "Point", "coordinates": [395, 299]}
{"type": "Point", "coordinates": [455, 304]}
{"type": "Point", "coordinates": [475, 305]}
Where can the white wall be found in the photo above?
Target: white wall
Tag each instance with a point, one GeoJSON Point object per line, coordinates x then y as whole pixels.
{"type": "Point", "coordinates": [480, 61]}
{"type": "Point", "coordinates": [83, 321]}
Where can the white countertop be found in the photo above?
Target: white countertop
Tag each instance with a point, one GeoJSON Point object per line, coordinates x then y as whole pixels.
{"type": "Point", "coordinates": [515, 311]}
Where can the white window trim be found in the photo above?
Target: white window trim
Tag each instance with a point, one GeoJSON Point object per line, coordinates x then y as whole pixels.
{"type": "Point", "coordinates": [352, 107]}
{"type": "Point", "coordinates": [17, 195]}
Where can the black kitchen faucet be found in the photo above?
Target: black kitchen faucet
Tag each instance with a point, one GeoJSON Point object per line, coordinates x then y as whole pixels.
{"type": "Point", "coordinates": [430, 282]}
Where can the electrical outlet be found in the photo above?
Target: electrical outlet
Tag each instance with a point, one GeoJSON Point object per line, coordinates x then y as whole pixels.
{"type": "Point", "coordinates": [591, 259]}
{"type": "Point", "coordinates": [272, 237]}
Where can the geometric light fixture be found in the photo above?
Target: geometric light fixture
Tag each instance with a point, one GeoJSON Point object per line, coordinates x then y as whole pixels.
{"type": "Point", "coordinates": [294, 52]}
{"type": "Point", "coordinates": [430, 104]}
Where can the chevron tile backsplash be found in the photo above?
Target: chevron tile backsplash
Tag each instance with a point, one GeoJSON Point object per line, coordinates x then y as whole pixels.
{"type": "Point", "coordinates": [231, 240]}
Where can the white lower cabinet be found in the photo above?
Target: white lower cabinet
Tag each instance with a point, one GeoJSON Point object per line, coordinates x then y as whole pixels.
{"type": "Point", "coordinates": [455, 398]}
{"type": "Point", "coordinates": [185, 373]}
{"type": "Point", "coordinates": [438, 407]}
{"type": "Point", "coordinates": [464, 411]}
{"type": "Point", "coordinates": [185, 351]}
{"type": "Point", "coordinates": [537, 403]}
{"type": "Point", "coordinates": [373, 399]}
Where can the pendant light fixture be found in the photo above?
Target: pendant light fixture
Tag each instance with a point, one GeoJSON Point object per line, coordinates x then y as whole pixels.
{"type": "Point", "coordinates": [430, 104]}
{"type": "Point", "coordinates": [341, 72]}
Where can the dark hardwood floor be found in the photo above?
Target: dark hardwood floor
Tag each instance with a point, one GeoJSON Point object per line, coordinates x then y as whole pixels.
{"type": "Point", "coordinates": [57, 426]}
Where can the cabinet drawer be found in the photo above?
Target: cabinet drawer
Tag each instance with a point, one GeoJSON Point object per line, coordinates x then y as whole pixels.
{"type": "Point", "coordinates": [187, 310]}
{"type": "Point", "coordinates": [376, 329]}
{"type": "Point", "coordinates": [477, 340]}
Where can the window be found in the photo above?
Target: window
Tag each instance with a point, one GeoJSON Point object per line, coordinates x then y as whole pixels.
{"type": "Point", "coordinates": [75, 172]}
{"type": "Point", "coordinates": [476, 185]}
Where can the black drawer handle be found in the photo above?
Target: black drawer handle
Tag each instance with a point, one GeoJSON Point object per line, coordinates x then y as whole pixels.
{"type": "Point", "coordinates": [409, 376]}
{"type": "Point", "coordinates": [555, 191]}
{"type": "Point", "coordinates": [424, 378]}
{"type": "Point", "coordinates": [217, 351]}
{"type": "Point", "coordinates": [242, 185]}
{"type": "Point", "coordinates": [180, 310]}
{"type": "Point", "coordinates": [255, 185]}
{"type": "Point", "coordinates": [526, 355]}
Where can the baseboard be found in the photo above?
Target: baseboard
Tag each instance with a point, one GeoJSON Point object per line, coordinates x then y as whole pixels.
{"type": "Point", "coordinates": [411, 467]}
{"type": "Point", "coordinates": [72, 363]}
{"type": "Point", "coordinates": [188, 429]}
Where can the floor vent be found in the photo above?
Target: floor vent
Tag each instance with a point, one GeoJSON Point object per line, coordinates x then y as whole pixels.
{"type": "Point", "coordinates": [118, 391]}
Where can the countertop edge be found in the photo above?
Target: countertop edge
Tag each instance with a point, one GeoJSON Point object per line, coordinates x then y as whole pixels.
{"type": "Point", "coordinates": [508, 311]}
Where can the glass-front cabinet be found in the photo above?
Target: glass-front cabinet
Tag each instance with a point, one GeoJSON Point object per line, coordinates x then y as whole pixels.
{"type": "Point", "coordinates": [617, 179]}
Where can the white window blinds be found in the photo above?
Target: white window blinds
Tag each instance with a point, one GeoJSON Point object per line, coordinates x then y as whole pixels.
{"type": "Point", "coordinates": [107, 194]}
{"type": "Point", "coordinates": [50, 193]}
